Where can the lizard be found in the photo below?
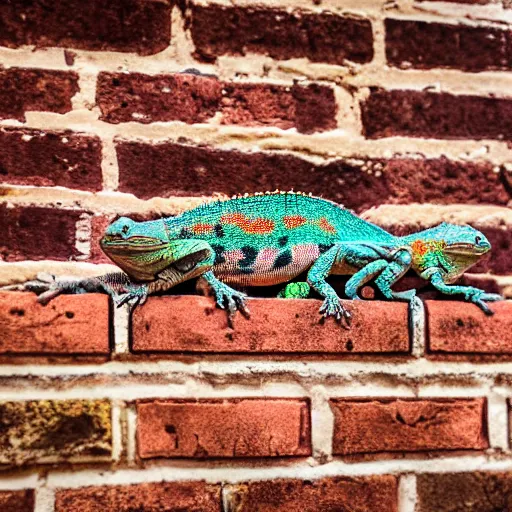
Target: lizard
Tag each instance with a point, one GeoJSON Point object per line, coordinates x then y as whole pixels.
{"type": "Point", "coordinates": [271, 238]}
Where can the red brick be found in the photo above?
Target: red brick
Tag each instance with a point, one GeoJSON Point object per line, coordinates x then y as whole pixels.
{"type": "Point", "coordinates": [240, 427]}
{"type": "Point", "coordinates": [17, 501]}
{"type": "Point", "coordinates": [326, 37]}
{"type": "Point", "coordinates": [276, 325]}
{"type": "Point", "coordinates": [357, 494]}
{"type": "Point", "coordinates": [459, 327]}
{"type": "Point", "coordinates": [36, 89]}
{"type": "Point", "coordinates": [121, 25]}
{"type": "Point", "coordinates": [197, 98]}
{"type": "Point", "coordinates": [168, 169]}
{"type": "Point", "coordinates": [37, 233]}
{"type": "Point", "coordinates": [374, 425]}
{"type": "Point", "coordinates": [69, 324]}
{"type": "Point", "coordinates": [177, 97]}
{"type": "Point", "coordinates": [424, 45]}
{"type": "Point", "coordinates": [436, 115]}
{"type": "Point", "coordinates": [47, 159]}
{"type": "Point", "coordinates": [468, 492]}
{"type": "Point", "coordinates": [150, 497]}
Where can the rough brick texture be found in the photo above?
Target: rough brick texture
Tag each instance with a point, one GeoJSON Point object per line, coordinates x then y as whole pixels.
{"type": "Point", "coordinates": [122, 25]}
{"type": "Point", "coordinates": [69, 324]}
{"type": "Point", "coordinates": [224, 428]}
{"type": "Point", "coordinates": [169, 169]}
{"type": "Point", "coordinates": [195, 99]}
{"type": "Point", "coordinates": [357, 494]}
{"type": "Point", "coordinates": [279, 326]}
{"type": "Point", "coordinates": [157, 497]}
{"type": "Point", "coordinates": [419, 44]}
{"type": "Point", "coordinates": [324, 37]}
{"type": "Point", "coordinates": [17, 501]}
{"type": "Point", "coordinates": [454, 327]}
{"type": "Point", "coordinates": [35, 89]}
{"type": "Point", "coordinates": [50, 430]}
{"type": "Point", "coordinates": [436, 115]}
{"type": "Point", "coordinates": [40, 158]}
{"type": "Point", "coordinates": [33, 233]}
{"type": "Point", "coordinates": [408, 425]}
{"type": "Point", "coordinates": [464, 492]}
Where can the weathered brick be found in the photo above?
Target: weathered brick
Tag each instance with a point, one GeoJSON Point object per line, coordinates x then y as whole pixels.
{"type": "Point", "coordinates": [17, 501]}
{"type": "Point", "coordinates": [387, 113]}
{"type": "Point", "coordinates": [48, 430]}
{"type": "Point", "coordinates": [357, 494]}
{"type": "Point", "coordinates": [373, 425]}
{"type": "Point", "coordinates": [194, 98]}
{"type": "Point", "coordinates": [37, 233]}
{"type": "Point", "coordinates": [65, 159]}
{"type": "Point", "coordinates": [425, 45]}
{"type": "Point", "coordinates": [276, 325]}
{"type": "Point", "coordinates": [170, 169]}
{"type": "Point", "coordinates": [326, 37]}
{"type": "Point", "coordinates": [464, 492]}
{"type": "Point", "coordinates": [240, 427]}
{"type": "Point", "coordinates": [456, 327]}
{"type": "Point", "coordinates": [36, 89]}
{"type": "Point", "coordinates": [143, 98]}
{"type": "Point", "coordinates": [122, 25]}
{"type": "Point", "coordinates": [148, 497]}
{"type": "Point", "coordinates": [69, 324]}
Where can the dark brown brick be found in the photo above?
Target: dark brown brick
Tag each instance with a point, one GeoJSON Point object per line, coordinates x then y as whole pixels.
{"type": "Point", "coordinates": [151, 497]}
{"type": "Point", "coordinates": [47, 159]}
{"type": "Point", "coordinates": [44, 430]}
{"type": "Point", "coordinates": [122, 25]}
{"type": "Point", "coordinates": [32, 233]}
{"type": "Point", "coordinates": [324, 37]}
{"type": "Point", "coordinates": [69, 324]}
{"type": "Point", "coordinates": [17, 501]}
{"type": "Point", "coordinates": [195, 99]}
{"type": "Point", "coordinates": [456, 327]}
{"type": "Point", "coordinates": [177, 97]}
{"type": "Point", "coordinates": [35, 89]}
{"type": "Point", "coordinates": [373, 425]}
{"type": "Point", "coordinates": [276, 325]}
{"type": "Point", "coordinates": [357, 494]}
{"type": "Point", "coordinates": [424, 45]}
{"type": "Point", "coordinates": [436, 115]}
{"type": "Point", "coordinates": [170, 169]}
{"type": "Point", "coordinates": [241, 427]}
{"type": "Point", "coordinates": [464, 492]}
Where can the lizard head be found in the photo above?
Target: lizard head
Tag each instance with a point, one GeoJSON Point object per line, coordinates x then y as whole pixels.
{"type": "Point", "coordinates": [450, 248]}
{"type": "Point", "coordinates": [144, 249]}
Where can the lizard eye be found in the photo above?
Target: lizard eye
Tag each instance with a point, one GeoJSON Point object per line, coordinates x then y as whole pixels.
{"type": "Point", "coordinates": [125, 229]}
{"type": "Point", "coordinates": [478, 239]}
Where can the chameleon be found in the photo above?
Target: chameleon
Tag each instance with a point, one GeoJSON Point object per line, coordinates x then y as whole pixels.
{"type": "Point", "coordinates": [271, 238]}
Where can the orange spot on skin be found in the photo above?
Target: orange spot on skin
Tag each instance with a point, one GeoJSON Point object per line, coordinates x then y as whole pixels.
{"type": "Point", "coordinates": [294, 221]}
{"type": "Point", "coordinates": [202, 229]}
{"type": "Point", "coordinates": [326, 226]}
{"type": "Point", "coordinates": [419, 248]}
{"type": "Point", "coordinates": [258, 226]}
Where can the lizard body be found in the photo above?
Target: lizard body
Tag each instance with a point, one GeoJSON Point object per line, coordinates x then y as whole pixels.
{"type": "Point", "coordinates": [268, 239]}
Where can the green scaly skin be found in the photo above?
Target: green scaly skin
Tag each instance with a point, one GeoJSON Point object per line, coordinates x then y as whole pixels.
{"type": "Point", "coordinates": [268, 239]}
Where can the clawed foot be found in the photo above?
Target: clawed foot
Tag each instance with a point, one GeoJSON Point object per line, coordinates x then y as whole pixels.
{"type": "Point", "coordinates": [332, 307]}
{"type": "Point", "coordinates": [231, 300]}
{"type": "Point", "coordinates": [132, 294]}
{"type": "Point", "coordinates": [478, 297]}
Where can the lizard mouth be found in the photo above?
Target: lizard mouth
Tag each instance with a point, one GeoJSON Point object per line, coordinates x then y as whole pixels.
{"type": "Point", "coordinates": [116, 244]}
{"type": "Point", "coordinates": [467, 249]}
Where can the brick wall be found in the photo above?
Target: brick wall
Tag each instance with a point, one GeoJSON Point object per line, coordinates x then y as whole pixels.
{"type": "Point", "coordinates": [400, 110]}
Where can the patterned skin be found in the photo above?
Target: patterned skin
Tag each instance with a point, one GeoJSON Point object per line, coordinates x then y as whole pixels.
{"type": "Point", "coordinates": [267, 239]}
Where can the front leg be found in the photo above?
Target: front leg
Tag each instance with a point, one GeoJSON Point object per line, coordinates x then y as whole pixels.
{"type": "Point", "coordinates": [316, 279]}
{"type": "Point", "coordinates": [227, 297]}
{"type": "Point", "coordinates": [116, 284]}
{"type": "Point", "coordinates": [471, 294]}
